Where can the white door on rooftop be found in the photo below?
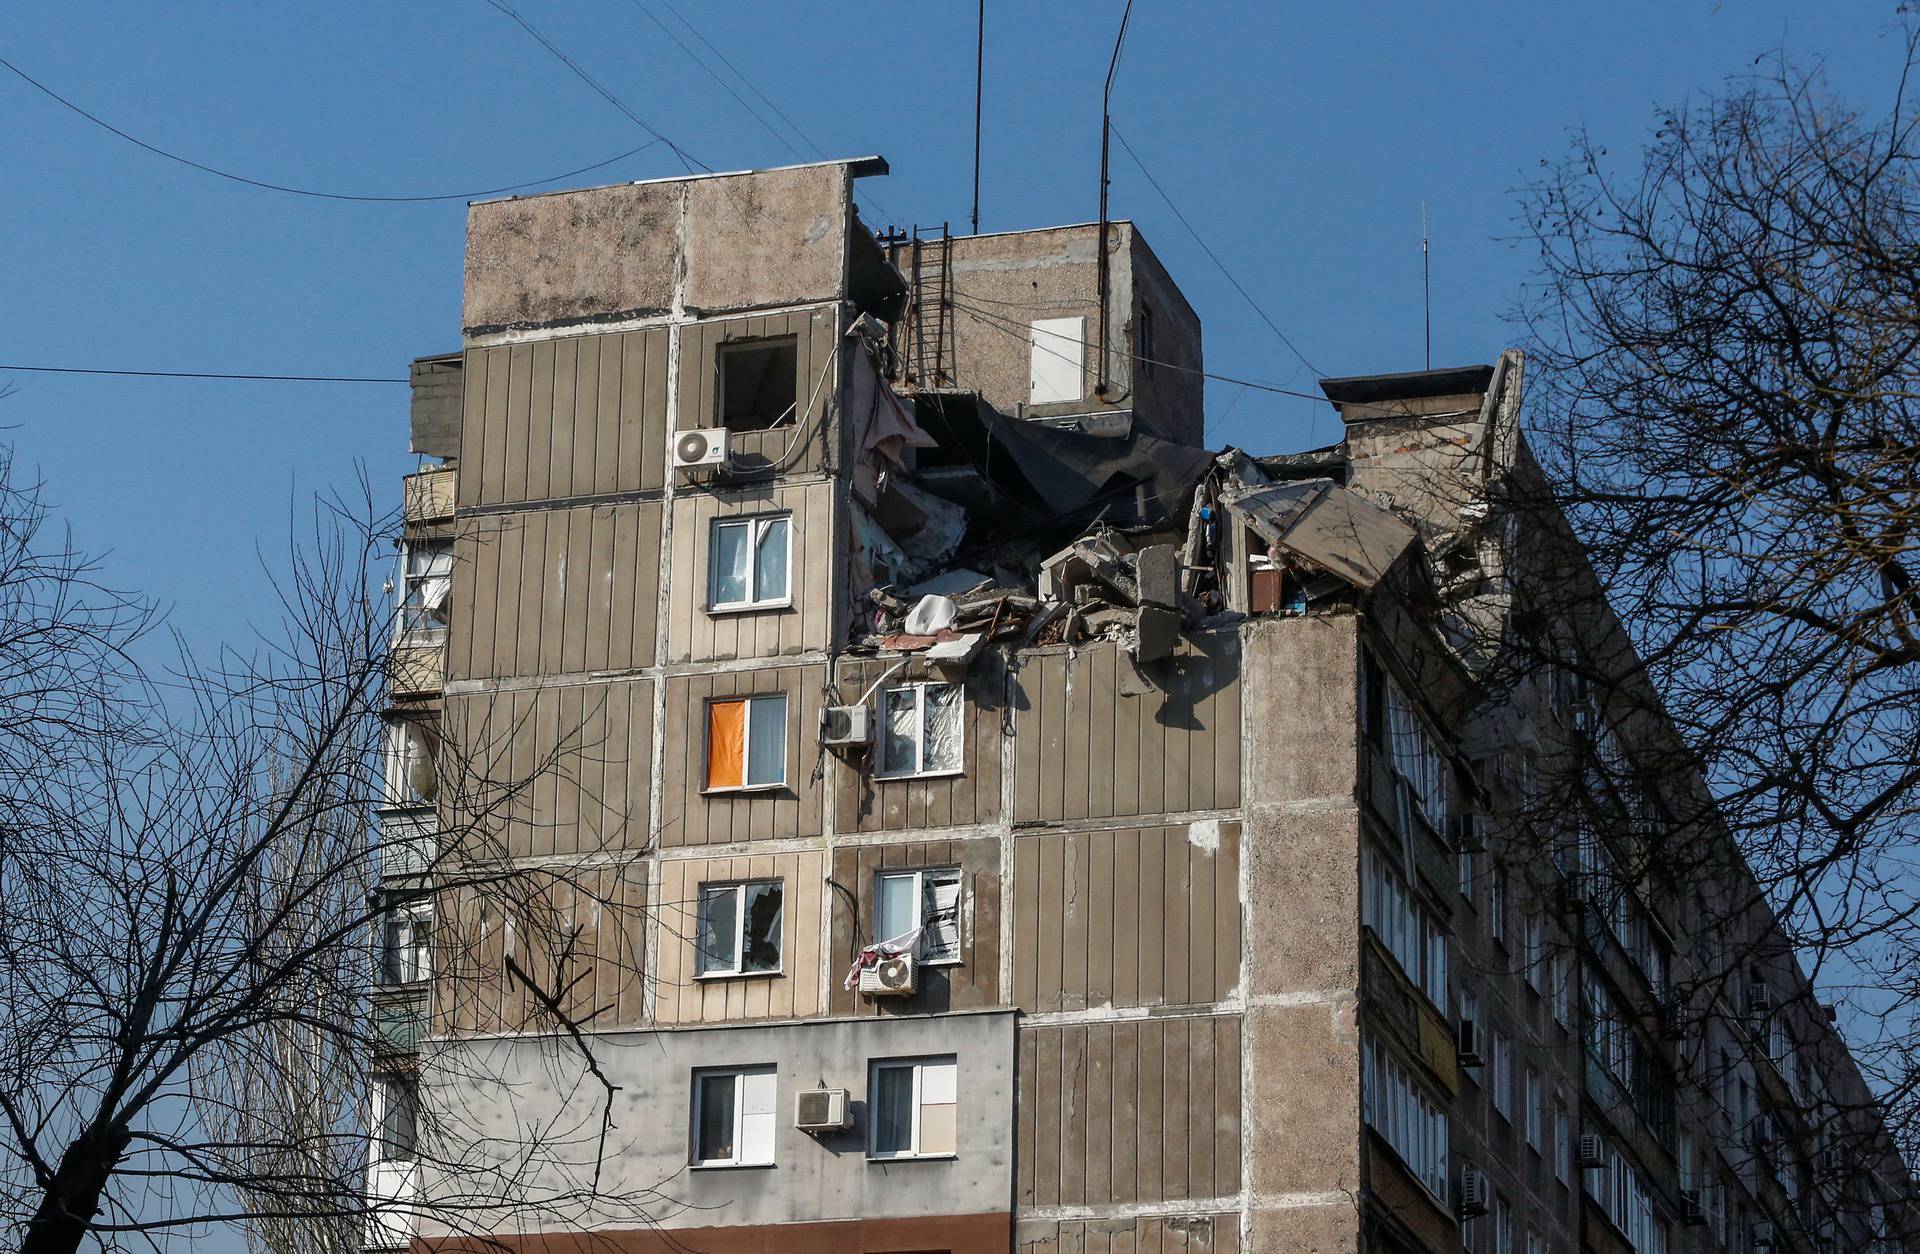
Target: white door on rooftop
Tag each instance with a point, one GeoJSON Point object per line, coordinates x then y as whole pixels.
{"type": "Point", "coordinates": [1058, 361]}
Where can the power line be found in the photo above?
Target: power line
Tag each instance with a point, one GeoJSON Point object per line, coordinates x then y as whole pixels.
{"type": "Point", "coordinates": [200, 374]}
{"type": "Point", "coordinates": [686, 158]}
{"type": "Point", "coordinates": [158, 151]}
{"type": "Point", "coordinates": [752, 87]}
{"type": "Point", "coordinates": [715, 76]}
{"type": "Point", "coordinates": [1214, 257]}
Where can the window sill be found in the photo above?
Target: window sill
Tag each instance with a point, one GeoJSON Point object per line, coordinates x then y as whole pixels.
{"type": "Point", "coordinates": [881, 1160]}
{"type": "Point", "coordinates": [904, 778]}
{"type": "Point", "coordinates": [753, 607]}
{"type": "Point", "coordinates": [739, 975]}
{"type": "Point", "coordinates": [745, 790]}
{"type": "Point", "coordinates": [729, 1166]}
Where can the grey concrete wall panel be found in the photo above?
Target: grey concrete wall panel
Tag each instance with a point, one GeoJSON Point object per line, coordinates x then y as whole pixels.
{"type": "Point", "coordinates": [572, 256]}
{"type": "Point", "coordinates": [778, 237]}
{"type": "Point", "coordinates": [491, 1091]}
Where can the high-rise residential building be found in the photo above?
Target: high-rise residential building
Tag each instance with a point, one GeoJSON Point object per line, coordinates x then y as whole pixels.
{"type": "Point", "coordinates": [908, 793]}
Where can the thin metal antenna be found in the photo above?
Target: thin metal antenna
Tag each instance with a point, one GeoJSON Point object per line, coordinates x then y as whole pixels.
{"type": "Point", "coordinates": [1106, 130]}
{"type": "Point", "coordinates": [979, 87]}
{"type": "Point", "coordinates": [1426, 282]}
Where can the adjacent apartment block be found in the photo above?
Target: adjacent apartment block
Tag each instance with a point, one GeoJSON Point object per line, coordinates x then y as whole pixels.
{"type": "Point", "coordinates": [897, 789]}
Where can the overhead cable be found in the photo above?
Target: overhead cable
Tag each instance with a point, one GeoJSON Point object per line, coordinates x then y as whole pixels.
{"type": "Point", "coordinates": [201, 374]}
{"type": "Point", "coordinates": [686, 158]}
{"type": "Point", "coordinates": [1213, 256]}
{"type": "Point", "coordinates": [265, 185]}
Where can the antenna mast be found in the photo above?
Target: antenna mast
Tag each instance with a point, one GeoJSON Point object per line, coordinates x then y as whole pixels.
{"type": "Point", "coordinates": [1426, 282]}
{"type": "Point", "coordinates": [979, 86]}
{"type": "Point", "coordinates": [1106, 126]}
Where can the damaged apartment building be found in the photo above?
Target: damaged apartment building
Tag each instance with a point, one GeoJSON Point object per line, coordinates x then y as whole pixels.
{"type": "Point", "coordinates": [971, 814]}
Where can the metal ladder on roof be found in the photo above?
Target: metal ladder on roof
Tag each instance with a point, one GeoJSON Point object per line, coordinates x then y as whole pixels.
{"type": "Point", "coordinates": [927, 329]}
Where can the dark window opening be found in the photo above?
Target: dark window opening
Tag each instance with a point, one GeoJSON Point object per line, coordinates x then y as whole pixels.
{"type": "Point", "coordinates": [758, 383]}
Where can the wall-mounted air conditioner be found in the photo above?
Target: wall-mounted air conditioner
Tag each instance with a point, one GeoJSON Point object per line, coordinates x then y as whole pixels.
{"type": "Point", "coordinates": [820, 1110]}
{"type": "Point", "coordinates": [846, 726]}
{"type": "Point", "coordinates": [701, 448]}
{"type": "Point", "coordinates": [890, 977]}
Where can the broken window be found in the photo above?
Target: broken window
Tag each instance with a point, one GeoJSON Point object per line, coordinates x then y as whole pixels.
{"type": "Point", "coordinates": [411, 775]}
{"type": "Point", "coordinates": [922, 907]}
{"type": "Point", "coordinates": [747, 562]}
{"type": "Point", "coordinates": [759, 381]}
{"type": "Point", "coordinates": [913, 1104]}
{"type": "Point", "coordinates": [396, 1117]}
{"type": "Point", "coordinates": [426, 583]}
{"type": "Point", "coordinates": [920, 732]}
{"type": "Point", "coordinates": [733, 1117]}
{"type": "Point", "coordinates": [747, 742]}
{"type": "Point", "coordinates": [406, 938]}
{"type": "Point", "coordinates": [739, 931]}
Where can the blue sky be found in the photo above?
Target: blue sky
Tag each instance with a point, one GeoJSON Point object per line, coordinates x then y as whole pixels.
{"type": "Point", "coordinates": [1299, 139]}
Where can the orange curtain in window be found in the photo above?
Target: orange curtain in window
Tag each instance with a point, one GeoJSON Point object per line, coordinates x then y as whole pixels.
{"type": "Point", "coordinates": [726, 743]}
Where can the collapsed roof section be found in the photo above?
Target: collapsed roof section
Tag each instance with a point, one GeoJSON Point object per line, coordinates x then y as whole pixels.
{"type": "Point", "coordinates": [1065, 528]}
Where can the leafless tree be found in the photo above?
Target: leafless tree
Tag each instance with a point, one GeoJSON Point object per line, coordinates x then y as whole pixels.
{"type": "Point", "coordinates": [190, 913]}
{"type": "Point", "coordinates": [1724, 398]}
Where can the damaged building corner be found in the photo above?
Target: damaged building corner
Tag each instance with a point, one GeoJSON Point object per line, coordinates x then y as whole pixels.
{"type": "Point", "coordinates": [1008, 824]}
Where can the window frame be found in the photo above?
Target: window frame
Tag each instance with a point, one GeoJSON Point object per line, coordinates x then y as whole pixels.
{"type": "Point", "coordinates": [417, 918]}
{"type": "Point", "coordinates": [881, 769]}
{"type": "Point", "coordinates": [919, 876]}
{"type": "Point", "coordinates": [385, 1085]}
{"type": "Point", "coordinates": [917, 1065]}
{"type": "Point", "coordinates": [739, 890]}
{"type": "Point", "coordinates": [754, 523]}
{"type": "Point", "coordinates": [739, 345]}
{"type": "Point", "coordinates": [739, 1076]}
{"type": "Point", "coordinates": [404, 632]}
{"type": "Point", "coordinates": [748, 699]}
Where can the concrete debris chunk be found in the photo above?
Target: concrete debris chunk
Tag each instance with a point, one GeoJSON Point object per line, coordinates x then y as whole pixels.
{"type": "Point", "coordinates": [1157, 574]}
{"type": "Point", "coordinates": [1157, 633]}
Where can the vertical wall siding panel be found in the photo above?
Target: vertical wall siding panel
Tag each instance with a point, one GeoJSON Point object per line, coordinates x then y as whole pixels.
{"type": "Point", "coordinates": [537, 478]}
{"type": "Point", "coordinates": [488, 469]}
{"type": "Point", "coordinates": [693, 817]}
{"type": "Point", "coordinates": [551, 770]}
{"type": "Point", "coordinates": [1126, 918]}
{"type": "Point", "coordinates": [561, 420]}
{"type": "Point", "coordinates": [1171, 750]}
{"type": "Point", "coordinates": [699, 636]}
{"type": "Point", "coordinates": [473, 407]}
{"type": "Point", "coordinates": [538, 532]}
{"type": "Point", "coordinates": [1127, 1112]}
{"type": "Point", "coordinates": [795, 993]}
{"type": "Point", "coordinates": [864, 803]}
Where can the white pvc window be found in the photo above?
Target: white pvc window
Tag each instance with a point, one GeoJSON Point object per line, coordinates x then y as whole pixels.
{"type": "Point", "coordinates": [734, 1117]}
{"type": "Point", "coordinates": [1404, 925]}
{"type": "Point", "coordinates": [921, 907]}
{"type": "Point", "coordinates": [426, 583]}
{"type": "Point", "coordinates": [747, 742]}
{"type": "Point", "coordinates": [912, 1108]}
{"type": "Point", "coordinates": [748, 563]}
{"type": "Point", "coordinates": [740, 928]}
{"type": "Point", "coordinates": [920, 730]}
{"type": "Point", "coordinates": [406, 944]}
{"type": "Point", "coordinates": [396, 1118]}
{"type": "Point", "coordinates": [1395, 1106]}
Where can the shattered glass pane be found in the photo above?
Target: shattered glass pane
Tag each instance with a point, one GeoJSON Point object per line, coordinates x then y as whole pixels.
{"type": "Point", "coordinates": [940, 910]}
{"type": "Point", "coordinates": [941, 716]}
{"type": "Point", "coordinates": [900, 732]}
{"type": "Point", "coordinates": [760, 946]}
{"type": "Point", "coordinates": [719, 929]}
{"type": "Point", "coordinates": [770, 561]}
{"type": "Point", "coordinates": [729, 563]}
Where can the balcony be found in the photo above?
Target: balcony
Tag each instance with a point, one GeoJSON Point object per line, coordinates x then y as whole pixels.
{"type": "Point", "coordinates": [428, 496]}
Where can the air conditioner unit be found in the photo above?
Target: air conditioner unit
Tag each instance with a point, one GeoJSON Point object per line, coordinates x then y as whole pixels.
{"type": "Point", "coordinates": [845, 726]}
{"type": "Point", "coordinates": [1591, 1151]}
{"type": "Point", "coordinates": [820, 1110]}
{"type": "Point", "coordinates": [1693, 1210]}
{"type": "Point", "coordinates": [1469, 835]}
{"type": "Point", "coordinates": [701, 448]}
{"type": "Point", "coordinates": [1475, 1193]}
{"type": "Point", "coordinates": [890, 977]}
{"type": "Point", "coordinates": [1468, 1044]}
{"type": "Point", "coordinates": [1762, 1242]}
